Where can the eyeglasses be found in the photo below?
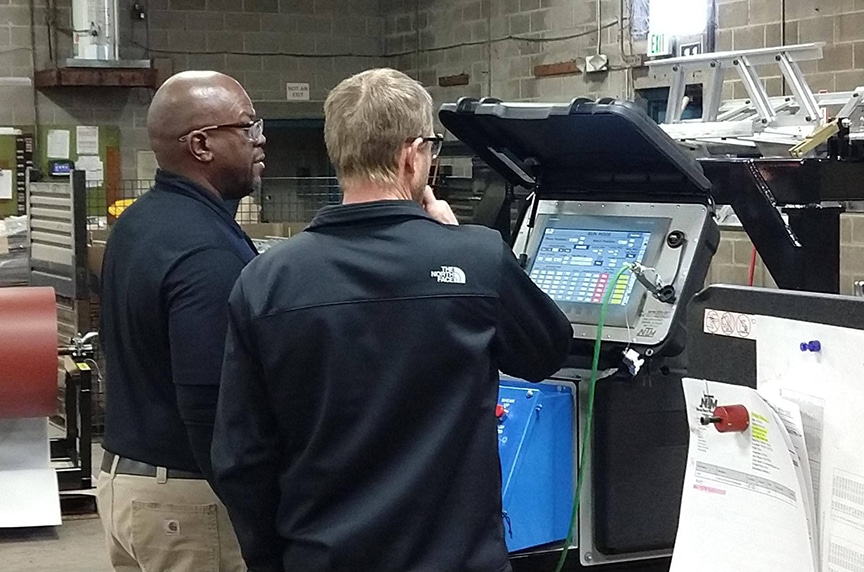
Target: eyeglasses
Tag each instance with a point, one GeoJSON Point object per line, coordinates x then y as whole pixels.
{"type": "Point", "coordinates": [254, 130]}
{"type": "Point", "coordinates": [437, 141]}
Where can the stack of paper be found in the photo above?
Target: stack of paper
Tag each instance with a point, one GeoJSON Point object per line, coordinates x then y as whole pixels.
{"type": "Point", "coordinates": [748, 501]}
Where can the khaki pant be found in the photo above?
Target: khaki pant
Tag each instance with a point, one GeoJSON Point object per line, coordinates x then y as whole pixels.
{"type": "Point", "coordinates": [155, 524]}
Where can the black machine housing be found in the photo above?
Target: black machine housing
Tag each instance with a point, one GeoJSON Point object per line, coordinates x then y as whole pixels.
{"type": "Point", "coordinates": [608, 157]}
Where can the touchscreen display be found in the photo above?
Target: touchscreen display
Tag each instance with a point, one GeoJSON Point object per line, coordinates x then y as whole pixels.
{"type": "Point", "coordinates": [576, 265]}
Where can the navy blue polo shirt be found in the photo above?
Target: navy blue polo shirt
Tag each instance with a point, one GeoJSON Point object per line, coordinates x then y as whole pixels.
{"type": "Point", "coordinates": [170, 263]}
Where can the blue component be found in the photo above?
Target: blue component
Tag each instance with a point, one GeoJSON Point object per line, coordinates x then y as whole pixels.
{"type": "Point", "coordinates": [535, 444]}
{"type": "Point", "coordinates": [811, 346]}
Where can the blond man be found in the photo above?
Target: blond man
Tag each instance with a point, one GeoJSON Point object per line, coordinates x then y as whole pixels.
{"type": "Point", "coordinates": [356, 428]}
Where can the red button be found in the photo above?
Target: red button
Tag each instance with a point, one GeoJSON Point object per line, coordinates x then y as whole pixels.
{"type": "Point", "coordinates": [500, 411]}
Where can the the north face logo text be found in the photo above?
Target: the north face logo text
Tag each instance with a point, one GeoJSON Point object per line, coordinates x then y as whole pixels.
{"type": "Point", "coordinates": [449, 275]}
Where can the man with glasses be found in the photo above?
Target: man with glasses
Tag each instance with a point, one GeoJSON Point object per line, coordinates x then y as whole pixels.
{"type": "Point", "coordinates": [170, 262]}
{"type": "Point", "coordinates": [356, 426]}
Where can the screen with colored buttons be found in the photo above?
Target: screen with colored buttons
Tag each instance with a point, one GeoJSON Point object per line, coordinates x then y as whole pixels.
{"type": "Point", "coordinates": [577, 265]}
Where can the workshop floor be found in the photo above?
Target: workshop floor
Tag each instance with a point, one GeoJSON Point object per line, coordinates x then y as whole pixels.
{"type": "Point", "coordinates": [76, 546]}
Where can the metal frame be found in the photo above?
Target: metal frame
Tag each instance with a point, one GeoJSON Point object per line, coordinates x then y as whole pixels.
{"type": "Point", "coordinates": [58, 235]}
{"type": "Point", "coordinates": [72, 453]}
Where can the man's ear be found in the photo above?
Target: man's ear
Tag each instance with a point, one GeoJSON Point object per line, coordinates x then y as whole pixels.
{"type": "Point", "coordinates": [410, 156]}
{"type": "Point", "coordinates": [199, 146]}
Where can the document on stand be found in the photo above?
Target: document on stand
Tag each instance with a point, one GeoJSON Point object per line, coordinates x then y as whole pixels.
{"type": "Point", "coordinates": [745, 504]}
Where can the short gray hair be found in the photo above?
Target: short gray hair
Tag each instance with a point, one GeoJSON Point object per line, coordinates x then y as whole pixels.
{"type": "Point", "coordinates": [368, 118]}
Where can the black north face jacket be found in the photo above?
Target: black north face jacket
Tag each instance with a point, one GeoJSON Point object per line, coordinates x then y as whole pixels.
{"type": "Point", "coordinates": [356, 428]}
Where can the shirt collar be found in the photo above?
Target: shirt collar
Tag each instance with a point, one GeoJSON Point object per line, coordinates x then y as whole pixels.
{"type": "Point", "coordinates": [368, 212]}
{"type": "Point", "coordinates": [177, 183]}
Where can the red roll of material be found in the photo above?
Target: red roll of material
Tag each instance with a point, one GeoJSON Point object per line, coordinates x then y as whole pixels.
{"type": "Point", "coordinates": [732, 419]}
{"type": "Point", "coordinates": [28, 352]}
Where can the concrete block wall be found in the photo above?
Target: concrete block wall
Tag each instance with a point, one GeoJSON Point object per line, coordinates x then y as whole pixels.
{"type": "Point", "coordinates": [745, 24]}
{"type": "Point", "coordinates": [248, 39]}
{"type": "Point", "coordinates": [731, 264]}
{"type": "Point", "coordinates": [499, 42]}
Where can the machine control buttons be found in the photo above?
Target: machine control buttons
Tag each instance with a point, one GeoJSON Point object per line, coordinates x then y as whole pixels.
{"type": "Point", "coordinates": [675, 239]}
{"type": "Point", "coordinates": [500, 411]}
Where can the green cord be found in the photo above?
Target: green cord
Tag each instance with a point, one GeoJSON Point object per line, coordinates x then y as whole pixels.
{"type": "Point", "coordinates": [588, 418]}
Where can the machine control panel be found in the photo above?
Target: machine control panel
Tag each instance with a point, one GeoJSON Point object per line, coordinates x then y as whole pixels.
{"type": "Point", "coordinates": [573, 250]}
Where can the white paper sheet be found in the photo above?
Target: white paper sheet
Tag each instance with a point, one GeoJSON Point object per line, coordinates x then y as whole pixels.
{"type": "Point", "coordinates": [828, 386]}
{"type": "Point", "coordinates": [93, 169]}
{"type": "Point", "coordinates": [87, 140]}
{"type": "Point", "coordinates": [58, 144]}
{"type": "Point", "coordinates": [30, 495]}
{"type": "Point", "coordinates": [742, 506]}
{"type": "Point", "coordinates": [789, 415]}
{"type": "Point", "coordinates": [146, 165]}
{"type": "Point", "coordinates": [7, 183]}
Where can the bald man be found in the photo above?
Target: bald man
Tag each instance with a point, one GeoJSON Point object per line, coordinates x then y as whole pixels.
{"type": "Point", "coordinates": [170, 263]}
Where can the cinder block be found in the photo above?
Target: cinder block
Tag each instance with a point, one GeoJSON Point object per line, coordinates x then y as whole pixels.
{"type": "Point", "coordinates": [528, 5]}
{"type": "Point", "coordinates": [848, 80]}
{"type": "Point", "coordinates": [800, 9]}
{"type": "Point", "coordinates": [225, 41]}
{"type": "Point", "coordinates": [764, 12]}
{"type": "Point", "coordinates": [742, 252]}
{"type": "Point", "coordinates": [167, 20]}
{"type": "Point", "coordinates": [472, 10]}
{"type": "Point", "coordinates": [820, 81]}
{"type": "Point", "coordinates": [243, 63]}
{"type": "Point", "coordinates": [261, 6]}
{"type": "Point", "coordinates": [850, 27]}
{"type": "Point", "coordinates": [187, 4]}
{"type": "Point", "coordinates": [724, 252]}
{"type": "Point", "coordinates": [837, 57]}
{"type": "Point", "coordinates": [509, 6]}
{"type": "Point", "coordinates": [561, 18]}
{"type": "Point", "coordinates": [520, 24]}
{"type": "Point", "coordinates": [242, 22]}
{"type": "Point", "coordinates": [366, 45]}
{"type": "Point", "coordinates": [733, 275]}
{"type": "Point", "coordinates": [15, 16]}
{"type": "Point", "coordinates": [846, 228]}
{"type": "Point", "coordinates": [852, 260]}
{"type": "Point", "coordinates": [792, 33]}
{"type": "Point", "coordinates": [733, 15]}
{"type": "Point", "coordinates": [751, 37]}
{"type": "Point", "coordinates": [821, 29]}
{"type": "Point", "coordinates": [207, 21]}
{"type": "Point", "coordinates": [261, 42]}
{"type": "Point", "coordinates": [375, 27]}
{"type": "Point", "coordinates": [479, 31]}
{"type": "Point", "coordinates": [772, 35]}
{"type": "Point", "coordinates": [539, 21]}
{"type": "Point", "coordinates": [187, 40]}
{"type": "Point", "coordinates": [297, 6]}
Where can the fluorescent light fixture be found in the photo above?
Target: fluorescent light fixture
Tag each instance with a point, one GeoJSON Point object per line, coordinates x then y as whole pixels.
{"type": "Point", "coordinates": [678, 17]}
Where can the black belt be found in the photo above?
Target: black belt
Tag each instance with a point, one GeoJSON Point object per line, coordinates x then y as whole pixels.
{"type": "Point", "coordinates": [131, 467]}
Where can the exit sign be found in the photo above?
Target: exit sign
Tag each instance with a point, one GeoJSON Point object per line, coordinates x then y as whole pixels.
{"type": "Point", "coordinates": [659, 45]}
{"type": "Point", "coordinates": [298, 91]}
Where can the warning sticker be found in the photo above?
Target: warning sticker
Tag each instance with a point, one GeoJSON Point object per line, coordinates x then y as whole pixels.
{"type": "Point", "coordinates": [731, 324]}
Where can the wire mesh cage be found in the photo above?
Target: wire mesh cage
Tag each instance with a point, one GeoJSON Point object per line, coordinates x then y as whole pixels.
{"type": "Point", "coordinates": [286, 199]}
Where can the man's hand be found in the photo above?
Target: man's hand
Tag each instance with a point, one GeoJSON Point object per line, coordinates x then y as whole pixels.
{"type": "Point", "coordinates": [437, 209]}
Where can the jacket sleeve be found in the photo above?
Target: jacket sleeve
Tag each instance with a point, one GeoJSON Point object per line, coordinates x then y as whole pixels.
{"type": "Point", "coordinates": [533, 335]}
{"type": "Point", "coordinates": [245, 449]}
{"type": "Point", "coordinates": [197, 300]}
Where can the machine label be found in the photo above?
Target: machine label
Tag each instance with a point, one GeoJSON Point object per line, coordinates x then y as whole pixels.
{"type": "Point", "coordinates": [729, 324]}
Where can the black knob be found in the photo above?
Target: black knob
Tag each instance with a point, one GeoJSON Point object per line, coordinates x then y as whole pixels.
{"type": "Point", "coordinates": [675, 239]}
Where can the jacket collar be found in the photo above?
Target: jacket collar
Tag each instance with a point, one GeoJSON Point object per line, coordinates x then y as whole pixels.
{"type": "Point", "coordinates": [374, 212]}
{"type": "Point", "coordinates": [173, 183]}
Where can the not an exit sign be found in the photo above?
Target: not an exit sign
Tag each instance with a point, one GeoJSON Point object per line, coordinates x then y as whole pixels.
{"type": "Point", "coordinates": [298, 91]}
